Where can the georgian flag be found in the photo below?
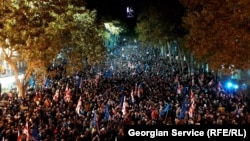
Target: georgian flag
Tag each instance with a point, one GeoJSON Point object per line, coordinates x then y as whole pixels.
{"type": "Point", "coordinates": [132, 96]}
{"type": "Point", "coordinates": [191, 110]}
{"type": "Point", "coordinates": [192, 107]}
{"type": "Point", "coordinates": [67, 96]}
{"type": "Point", "coordinates": [79, 104]}
{"type": "Point", "coordinates": [56, 96]}
{"type": "Point", "coordinates": [26, 130]}
{"type": "Point", "coordinates": [124, 106]}
{"type": "Point", "coordinates": [192, 97]}
{"type": "Point", "coordinates": [19, 137]}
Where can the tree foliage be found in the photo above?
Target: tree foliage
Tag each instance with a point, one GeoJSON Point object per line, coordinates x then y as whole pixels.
{"type": "Point", "coordinates": [159, 22]}
{"type": "Point", "coordinates": [113, 28]}
{"type": "Point", "coordinates": [29, 34]}
{"type": "Point", "coordinates": [82, 38]}
{"type": "Point", "coordinates": [35, 32]}
{"type": "Point", "coordinates": [219, 32]}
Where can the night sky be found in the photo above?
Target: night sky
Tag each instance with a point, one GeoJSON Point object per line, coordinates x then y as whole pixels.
{"type": "Point", "coordinates": [116, 9]}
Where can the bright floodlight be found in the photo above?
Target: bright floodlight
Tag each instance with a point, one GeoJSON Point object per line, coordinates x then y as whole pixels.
{"type": "Point", "coordinates": [236, 86]}
{"type": "Point", "coordinates": [229, 84]}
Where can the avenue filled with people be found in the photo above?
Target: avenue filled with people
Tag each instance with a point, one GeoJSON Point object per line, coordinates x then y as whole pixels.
{"type": "Point", "coordinates": [95, 105]}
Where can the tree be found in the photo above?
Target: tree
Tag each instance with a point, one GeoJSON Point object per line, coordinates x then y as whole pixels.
{"type": "Point", "coordinates": [219, 32]}
{"type": "Point", "coordinates": [82, 38]}
{"type": "Point", "coordinates": [112, 32]}
{"type": "Point", "coordinates": [159, 24]}
{"type": "Point", "coordinates": [33, 32]}
{"type": "Point", "coordinates": [2, 69]}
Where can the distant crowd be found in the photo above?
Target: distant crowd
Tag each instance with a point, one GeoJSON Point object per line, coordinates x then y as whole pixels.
{"type": "Point", "coordinates": [95, 105]}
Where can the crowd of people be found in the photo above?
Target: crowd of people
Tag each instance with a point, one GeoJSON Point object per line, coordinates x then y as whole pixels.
{"type": "Point", "coordinates": [96, 105]}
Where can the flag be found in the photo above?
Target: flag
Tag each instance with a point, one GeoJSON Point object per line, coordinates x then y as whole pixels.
{"type": "Point", "coordinates": [192, 97]}
{"type": "Point", "coordinates": [95, 122]}
{"type": "Point", "coordinates": [19, 137]}
{"type": "Point", "coordinates": [79, 104]}
{"type": "Point", "coordinates": [124, 106]}
{"type": "Point", "coordinates": [184, 90]}
{"type": "Point", "coordinates": [56, 96]}
{"type": "Point", "coordinates": [26, 130]}
{"type": "Point", "coordinates": [121, 101]}
{"type": "Point", "coordinates": [191, 110]}
{"type": "Point", "coordinates": [165, 110]}
{"type": "Point", "coordinates": [67, 96]}
{"type": "Point", "coordinates": [79, 83]}
{"type": "Point", "coordinates": [192, 107]}
{"type": "Point", "coordinates": [32, 82]}
{"type": "Point", "coordinates": [183, 109]}
{"type": "Point", "coordinates": [106, 113]}
{"type": "Point", "coordinates": [140, 89]}
{"type": "Point", "coordinates": [67, 88]}
{"type": "Point", "coordinates": [132, 96]}
{"type": "Point", "coordinates": [47, 83]}
{"type": "Point", "coordinates": [35, 134]}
